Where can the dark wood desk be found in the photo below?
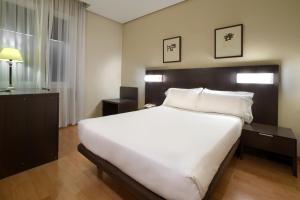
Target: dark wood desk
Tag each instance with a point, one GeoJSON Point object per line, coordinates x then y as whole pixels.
{"type": "Point", "coordinates": [28, 130]}
{"type": "Point", "coordinates": [271, 139]}
{"type": "Point", "coordinates": [116, 106]}
{"type": "Point", "coordinates": [127, 102]}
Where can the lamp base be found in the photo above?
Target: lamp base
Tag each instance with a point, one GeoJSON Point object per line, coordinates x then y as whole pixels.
{"type": "Point", "coordinates": [6, 90]}
{"type": "Point", "coordinates": [10, 88]}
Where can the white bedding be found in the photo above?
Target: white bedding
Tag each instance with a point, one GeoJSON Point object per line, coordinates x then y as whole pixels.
{"type": "Point", "coordinates": [174, 153]}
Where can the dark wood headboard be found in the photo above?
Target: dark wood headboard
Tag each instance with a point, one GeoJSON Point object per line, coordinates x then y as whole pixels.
{"type": "Point", "coordinates": [265, 107]}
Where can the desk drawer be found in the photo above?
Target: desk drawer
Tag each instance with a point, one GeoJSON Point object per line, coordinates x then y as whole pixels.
{"type": "Point", "coordinates": [275, 144]}
{"type": "Point", "coordinates": [128, 107]}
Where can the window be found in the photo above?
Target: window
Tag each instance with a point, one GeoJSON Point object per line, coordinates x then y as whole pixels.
{"type": "Point", "coordinates": [17, 18]}
{"type": "Point", "coordinates": [18, 28]}
{"type": "Point", "coordinates": [57, 50]}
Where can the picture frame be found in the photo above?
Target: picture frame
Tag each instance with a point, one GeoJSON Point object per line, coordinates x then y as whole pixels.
{"type": "Point", "coordinates": [172, 50]}
{"type": "Point", "coordinates": [229, 41]}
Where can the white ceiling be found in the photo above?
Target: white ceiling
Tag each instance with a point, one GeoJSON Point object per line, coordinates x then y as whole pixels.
{"type": "Point", "coordinates": [126, 10]}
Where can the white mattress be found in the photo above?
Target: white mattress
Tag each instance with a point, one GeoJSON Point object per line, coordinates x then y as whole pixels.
{"type": "Point", "coordinates": [174, 153]}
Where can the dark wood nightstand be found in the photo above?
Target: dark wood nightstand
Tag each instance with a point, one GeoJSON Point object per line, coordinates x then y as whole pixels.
{"type": "Point", "coordinates": [272, 139]}
{"type": "Point", "coordinates": [116, 106]}
{"type": "Point", "coordinates": [127, 102]}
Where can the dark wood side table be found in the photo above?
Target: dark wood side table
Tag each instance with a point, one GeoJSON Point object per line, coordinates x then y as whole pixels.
{"type": "Point", "coordinates": [272, 139]}
{"type": "Point", "coordinates": [28, 129]}
{"type": "Point", "coordinates": [116, 106]}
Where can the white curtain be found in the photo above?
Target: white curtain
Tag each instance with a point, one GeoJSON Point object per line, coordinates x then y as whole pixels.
{"type": "Point", "coordinates": [50, 35]}
{"type": "Point", "coordinates": [18, 30]}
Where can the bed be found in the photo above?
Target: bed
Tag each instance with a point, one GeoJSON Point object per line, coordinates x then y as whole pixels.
{"type": "Point", "coordinates": [171, 153]}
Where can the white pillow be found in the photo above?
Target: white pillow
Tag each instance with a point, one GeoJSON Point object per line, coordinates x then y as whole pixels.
{"type": "Point", "coordinates": [182, 98]}
{"type": "Point", "coordinates": [226, 104]}
{"type": "Point", "coordinates": [194, 89]}
{"type": "Point", "coordinates": [230, 93]}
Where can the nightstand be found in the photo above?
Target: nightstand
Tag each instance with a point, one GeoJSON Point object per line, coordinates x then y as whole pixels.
{"type": "Point", "coordinates": [116, 106]}
{"type": "Point", "coordinates": [271, 139]}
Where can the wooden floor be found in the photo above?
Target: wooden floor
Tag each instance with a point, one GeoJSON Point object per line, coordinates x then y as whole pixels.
{"type": "Point", "coordinates": [73, 177]}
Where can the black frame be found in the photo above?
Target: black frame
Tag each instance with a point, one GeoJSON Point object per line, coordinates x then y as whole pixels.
{"type": "Point", "coordinates": [242, 41]}
{"type": "Point", "coordinates": [179, 49]}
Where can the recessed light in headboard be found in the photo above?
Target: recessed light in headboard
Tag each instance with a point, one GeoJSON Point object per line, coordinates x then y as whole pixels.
{"type": "Point", "coordinates": [255, 78]}
{"type": "Point", "coordinates": [153, 78]}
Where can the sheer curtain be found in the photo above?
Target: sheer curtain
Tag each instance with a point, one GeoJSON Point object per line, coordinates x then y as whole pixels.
{"type": "Point", "coordinates": [50, 35]}
{"type": "Point", "coordinates": [65, 56]}
{"type": "Point", "coordinates": [18, 30]}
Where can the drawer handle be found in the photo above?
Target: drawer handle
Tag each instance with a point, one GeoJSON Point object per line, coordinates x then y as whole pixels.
{"type": "Point", "coordinates": [266, 135]}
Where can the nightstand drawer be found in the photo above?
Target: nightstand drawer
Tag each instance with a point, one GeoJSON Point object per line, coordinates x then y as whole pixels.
{"type": "Point", "coordinates": [117, 106]}
{"type": "Point", "coordinates": [280, 145]}
{"type": "Point", "coordinates": [127, 106]}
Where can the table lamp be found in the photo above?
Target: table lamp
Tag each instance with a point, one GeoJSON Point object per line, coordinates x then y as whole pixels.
{"type": "Point", "coordinates": [11, 55]}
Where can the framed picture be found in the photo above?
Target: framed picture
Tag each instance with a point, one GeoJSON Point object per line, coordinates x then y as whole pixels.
{"type": "Point", "coordinates": [172, 50]}
{"type": "Point", "coordinates": [229, 41]}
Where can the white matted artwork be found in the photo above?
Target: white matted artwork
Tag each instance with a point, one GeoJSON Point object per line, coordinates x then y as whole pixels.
{"type": "Point", "coordinates": [229, 41]}
{"type": "Point", "coordinates": [172, 50]}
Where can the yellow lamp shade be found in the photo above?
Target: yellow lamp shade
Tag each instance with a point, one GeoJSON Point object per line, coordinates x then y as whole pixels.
{"type": "Point", "coordinates": [11, 54]}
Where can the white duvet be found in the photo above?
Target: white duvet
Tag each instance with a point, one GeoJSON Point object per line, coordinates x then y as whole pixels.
{"type": "Point", "coordinates": [174, 153]}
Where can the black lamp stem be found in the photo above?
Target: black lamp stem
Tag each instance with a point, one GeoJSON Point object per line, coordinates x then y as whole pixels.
{"type": "Point", "coordinates": [10, 74]}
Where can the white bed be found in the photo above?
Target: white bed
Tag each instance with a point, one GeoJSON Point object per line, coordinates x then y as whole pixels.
{"type": "Point", "coordinates": [173, 152]}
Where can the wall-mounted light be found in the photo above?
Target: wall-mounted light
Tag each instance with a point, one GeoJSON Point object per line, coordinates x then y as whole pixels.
{"type": "Point", "coordinates": [255, 78]}
{"type": "Point", "coordinates": [153, 78]}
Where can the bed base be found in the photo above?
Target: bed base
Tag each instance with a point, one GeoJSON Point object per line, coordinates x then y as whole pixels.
{"type": "Point", "coordinates": [140, 191]}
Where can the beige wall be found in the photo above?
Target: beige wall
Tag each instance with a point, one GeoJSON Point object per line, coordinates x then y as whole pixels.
{"type": "Point", "coordinates": [103, 62]}
{"type": "Point", "coordinates": [272, 35]}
